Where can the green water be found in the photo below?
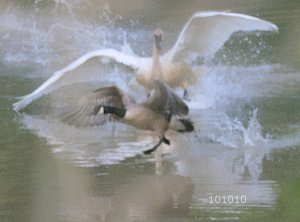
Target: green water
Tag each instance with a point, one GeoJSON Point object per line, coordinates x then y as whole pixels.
{"type": "Point", "coordinates": [39, 185]}
{"type": "Point", "coordinates": [53, 172]}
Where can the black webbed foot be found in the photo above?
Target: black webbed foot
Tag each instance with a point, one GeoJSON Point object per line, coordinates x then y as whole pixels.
{"type": "Point", "coordinates": [162, 140]}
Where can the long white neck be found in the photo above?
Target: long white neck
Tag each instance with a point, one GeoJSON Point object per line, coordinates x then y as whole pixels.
{"type": "Point", "coordinates": [156, 66]}
{"type": "Point", "coordinates": [152, 70]}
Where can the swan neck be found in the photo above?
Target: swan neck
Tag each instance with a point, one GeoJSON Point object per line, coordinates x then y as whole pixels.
{"type": "Point", "coordinates": [156, 67]}
{"type": "Point", "coordinates": [155, 54]}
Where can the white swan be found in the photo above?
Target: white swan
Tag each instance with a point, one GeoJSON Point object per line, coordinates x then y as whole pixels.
{"type": "Point", "coordinates": [204, 33]}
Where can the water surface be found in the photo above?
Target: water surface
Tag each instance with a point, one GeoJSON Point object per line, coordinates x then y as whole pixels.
{"type": "Point", "coordinates": [246, 110]}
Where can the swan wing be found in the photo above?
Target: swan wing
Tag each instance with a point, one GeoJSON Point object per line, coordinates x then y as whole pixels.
{"type": "Point", "coordinates": [206, 32]}
{"type": "Point", "coordinates": [81, 70]}
{"type": "Point", "coordinates": [164, 101]}
{"type": "Point", "coordinates": [85, 112]}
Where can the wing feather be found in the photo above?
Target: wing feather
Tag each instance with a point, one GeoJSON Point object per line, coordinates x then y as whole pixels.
{"type": "Point", "coordinates": [206, 32]}
{"type": "Point", "coordinates": [165, 101]}
{"type": "Point", "coordinates": [81, 70]}
{"type": "Point", "coordinates": [85, 112]}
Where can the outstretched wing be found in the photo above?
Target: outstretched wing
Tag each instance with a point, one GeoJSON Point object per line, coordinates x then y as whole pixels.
{"type": "Point", "coordinates": [85, 111]}
{"type": "Point", "coordinates": [78, 71]}
{"type": "Point", "coordinates": [206, 32]}
{"type": "Point", "coordinates": [165, 101]}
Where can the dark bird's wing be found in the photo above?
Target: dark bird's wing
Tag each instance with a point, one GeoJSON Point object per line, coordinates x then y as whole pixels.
{"type": "Point", "coordinates": [85, 112]}
{"type": "Point", "coordinates": [164, 101]}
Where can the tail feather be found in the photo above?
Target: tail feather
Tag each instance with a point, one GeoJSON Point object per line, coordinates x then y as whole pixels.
{"type": "Point", "coordinates": [182, 125]}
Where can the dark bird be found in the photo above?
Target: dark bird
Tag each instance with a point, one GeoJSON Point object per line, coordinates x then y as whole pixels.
{"type": "Point", "coordinates": [162, 111]}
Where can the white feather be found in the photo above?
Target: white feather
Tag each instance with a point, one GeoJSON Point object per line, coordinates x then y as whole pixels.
{"type": "Point", "coordinates": [101, 111]}
{"type": "Point", "coordinates": [206, 32]}
{"type": "Point", "coordinates": [78, 71]}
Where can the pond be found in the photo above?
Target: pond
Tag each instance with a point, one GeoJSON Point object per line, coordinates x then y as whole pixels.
{"type": "Point", "coordinates": [241, 164]}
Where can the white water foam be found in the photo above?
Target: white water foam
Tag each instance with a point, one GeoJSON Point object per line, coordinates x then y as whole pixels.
{"type": "Point", "coordinates": [232, 133]}
{"type": "Point", "coordinates": [46, 37]}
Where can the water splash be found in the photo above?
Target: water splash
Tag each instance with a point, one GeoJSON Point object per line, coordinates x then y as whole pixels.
{"type": "Point", "coordinates": [247, 139]}
{"type": "Point", "coordinates": [56, 37]}
{"type": "Point", "coordinates": [232, 132]}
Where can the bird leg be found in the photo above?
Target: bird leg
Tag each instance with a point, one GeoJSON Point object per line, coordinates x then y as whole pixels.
{"type": "Point", "coordinates": [162, 140]}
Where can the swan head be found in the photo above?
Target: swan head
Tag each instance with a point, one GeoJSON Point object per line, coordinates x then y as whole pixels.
{"type": "Point", "coordinates": [158, 33]}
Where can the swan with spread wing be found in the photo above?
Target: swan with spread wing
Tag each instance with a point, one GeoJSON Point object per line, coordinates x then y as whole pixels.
{"type": "Point", "coordinates": [204, 33]}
